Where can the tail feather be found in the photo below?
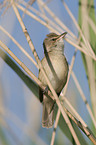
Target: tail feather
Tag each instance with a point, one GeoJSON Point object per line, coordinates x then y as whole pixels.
{"type": "Point", "coordinates": [48, 112]}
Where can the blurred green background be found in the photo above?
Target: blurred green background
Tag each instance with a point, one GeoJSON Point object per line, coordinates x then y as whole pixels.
{"type": "Point", "coordinates": [20, 110]}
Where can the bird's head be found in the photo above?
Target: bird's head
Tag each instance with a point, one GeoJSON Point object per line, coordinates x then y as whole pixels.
{"type": "Point", "coordinates": [54, 42]}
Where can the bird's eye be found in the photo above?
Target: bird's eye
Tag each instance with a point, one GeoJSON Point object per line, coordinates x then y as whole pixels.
{"type": "Point", "coordinates": [53, 39]}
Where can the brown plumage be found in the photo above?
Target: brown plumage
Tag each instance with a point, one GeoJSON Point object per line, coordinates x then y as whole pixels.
{"type": "Point", "coordinates": [56, 68]}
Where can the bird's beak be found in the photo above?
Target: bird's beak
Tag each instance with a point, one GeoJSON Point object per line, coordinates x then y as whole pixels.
{"type": "Point", "coordinates": [61, 36]}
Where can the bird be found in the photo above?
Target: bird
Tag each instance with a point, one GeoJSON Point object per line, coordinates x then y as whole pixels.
{"type": "Point", "coordinates": [56, 68]}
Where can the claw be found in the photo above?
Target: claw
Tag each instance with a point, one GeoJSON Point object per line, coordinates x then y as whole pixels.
{"type": "Point", "coordinates": [46, 90]}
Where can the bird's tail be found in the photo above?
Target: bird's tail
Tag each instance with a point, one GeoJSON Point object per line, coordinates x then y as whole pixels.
{"type": "Point", "coordinates": [48, 112]}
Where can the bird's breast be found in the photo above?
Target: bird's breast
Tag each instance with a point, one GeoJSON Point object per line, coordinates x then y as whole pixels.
{"type": "Point", "coordinates": [56, 68]}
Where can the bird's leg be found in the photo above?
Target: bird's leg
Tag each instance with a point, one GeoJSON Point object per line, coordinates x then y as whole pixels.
{"type": "Point", "coordinates": [62, 101]}
{"type": "Point", "coordinates": [46, 90]}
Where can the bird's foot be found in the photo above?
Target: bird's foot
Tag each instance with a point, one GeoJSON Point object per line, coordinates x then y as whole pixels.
{"type": "Point", "coordinates": [62, 101]}
{"type": "Point", "coordinates": [46, 90]}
